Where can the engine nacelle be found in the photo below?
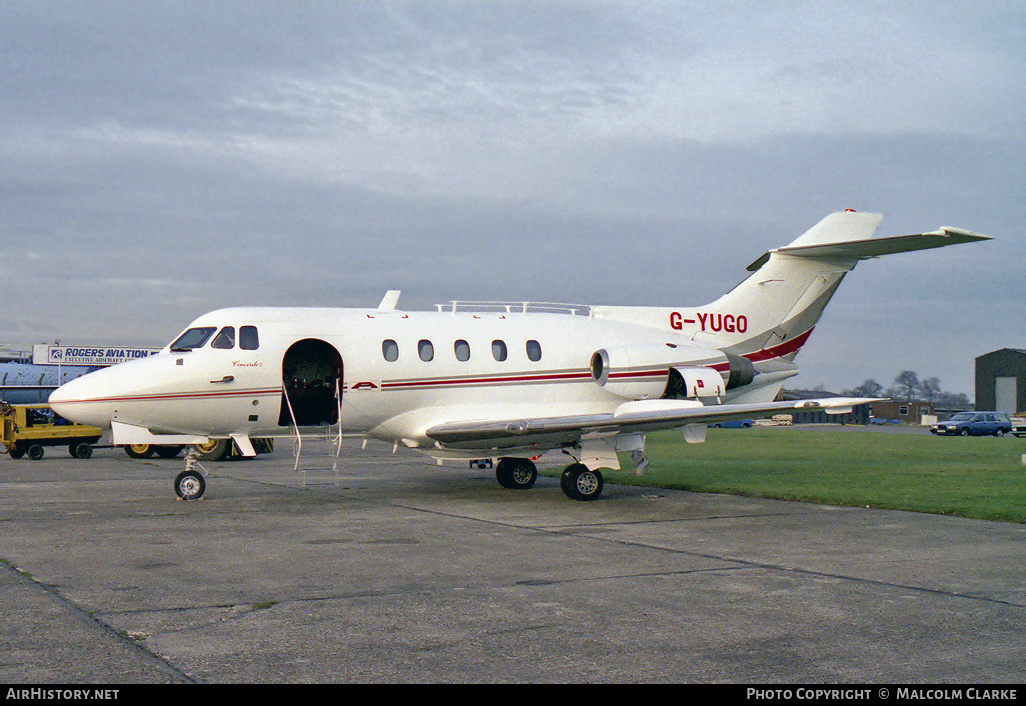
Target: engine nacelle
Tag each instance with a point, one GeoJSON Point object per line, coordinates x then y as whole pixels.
{"type": "Point", "coordinates": [651, 371]}
{"type": "Point", "coordinates": [644, 372]}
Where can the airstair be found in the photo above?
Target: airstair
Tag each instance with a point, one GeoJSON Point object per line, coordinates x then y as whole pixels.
{"type": "Point", "coordinates": [316, 449]}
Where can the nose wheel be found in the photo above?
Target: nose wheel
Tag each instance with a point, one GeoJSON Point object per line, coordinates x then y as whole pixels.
{"type": "Point", "coordinates": [189, 484]}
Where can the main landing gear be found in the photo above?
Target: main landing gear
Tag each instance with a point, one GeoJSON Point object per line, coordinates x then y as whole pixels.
{"type": "Point", "coordinates": [580, 482]}
{"type": "Point", "coordinates": [577, 481]}
{"type": "Point", "coordinates": [516, 473]}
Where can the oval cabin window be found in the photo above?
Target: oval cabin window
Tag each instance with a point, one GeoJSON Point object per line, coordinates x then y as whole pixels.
{"type": "Point", "coordinates": [425, 350]}
{"type": "Point", "coordinates": [534, 350]}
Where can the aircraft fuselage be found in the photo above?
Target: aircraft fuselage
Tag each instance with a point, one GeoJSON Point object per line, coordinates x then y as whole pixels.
{"type": "Point", "coordinates": [399, 373]}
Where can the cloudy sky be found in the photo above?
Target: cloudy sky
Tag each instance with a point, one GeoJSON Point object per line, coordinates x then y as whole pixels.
{"type": "Point", "coordinates": [162, 159]}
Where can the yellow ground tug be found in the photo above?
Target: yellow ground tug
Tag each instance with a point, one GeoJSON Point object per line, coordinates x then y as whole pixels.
{"type": "Point", "coordinates": [28, 428]}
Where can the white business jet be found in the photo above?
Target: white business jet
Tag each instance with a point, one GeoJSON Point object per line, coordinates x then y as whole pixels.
{"type": "Point", "coordinates": [492, 381]}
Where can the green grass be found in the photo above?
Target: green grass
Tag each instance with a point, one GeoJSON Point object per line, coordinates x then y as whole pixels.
{"type": "Point", "coordinates": [978, 477]}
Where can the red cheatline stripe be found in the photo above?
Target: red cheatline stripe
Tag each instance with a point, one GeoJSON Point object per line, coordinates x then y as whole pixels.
{"type": "Point", "coordinates": [777, 351]}
{"type": "Point", "coordinates": [177, 396]}
{"type": "Point", "coordinates": [781, 349]}
{"type": "Point", "coordinates": [659, 372]}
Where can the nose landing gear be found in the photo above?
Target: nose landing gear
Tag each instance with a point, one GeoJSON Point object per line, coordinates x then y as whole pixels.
{"type": "Point", "coordinates": [189, 484]}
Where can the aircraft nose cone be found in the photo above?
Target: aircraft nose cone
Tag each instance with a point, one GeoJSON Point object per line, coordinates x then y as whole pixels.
{"type": "Point", "coordinates": [79, 401]}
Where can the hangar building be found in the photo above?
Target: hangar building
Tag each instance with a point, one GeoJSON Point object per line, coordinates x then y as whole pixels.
{"type": "Point", "coordinates": [1001, 380]}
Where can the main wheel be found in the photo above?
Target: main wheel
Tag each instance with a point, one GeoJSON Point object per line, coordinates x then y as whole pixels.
{"type": "Point", "coordinates": [214, 450]}
{"type": "Point", "coordinates": [189, 485]}
{"type": "Point", "coordinates": [516, 473]}
{"type": "Point", "coordinates": [580, 482]}
{"type": "Point", "coordinates": [139, 450]}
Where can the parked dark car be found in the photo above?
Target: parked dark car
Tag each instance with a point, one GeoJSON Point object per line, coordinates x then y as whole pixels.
{"type": "Point", "coordinates": [735, 424]}
{"type": "Point", "coordinates": [974, 424]}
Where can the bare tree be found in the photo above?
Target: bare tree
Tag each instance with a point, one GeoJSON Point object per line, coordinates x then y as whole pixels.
{"type": "Point", "coordinates": [868, 388]}
{"type": "Point", "coordinates": [906, 385]}
{"type": "Point", "coordinates": [929, 389]}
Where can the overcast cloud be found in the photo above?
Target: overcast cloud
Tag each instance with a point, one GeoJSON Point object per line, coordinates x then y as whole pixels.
{"type": "Point", "coordinates": [162, 159]}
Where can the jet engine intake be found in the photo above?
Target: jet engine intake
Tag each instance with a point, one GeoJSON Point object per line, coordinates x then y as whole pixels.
{"type": "Point", "coordinates": [614, 371]}
{"type": "Point", "coordinates": [653, 371]}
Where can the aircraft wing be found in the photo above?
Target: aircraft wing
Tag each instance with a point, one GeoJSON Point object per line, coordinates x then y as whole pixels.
{"type": "Point", "coordinates": [629, 417]}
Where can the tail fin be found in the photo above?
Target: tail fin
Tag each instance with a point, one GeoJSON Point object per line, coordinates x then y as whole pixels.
{"type": "Point", "coordinates": [771, 313]}
{"type": "Point", "coordinates": [790, 287]}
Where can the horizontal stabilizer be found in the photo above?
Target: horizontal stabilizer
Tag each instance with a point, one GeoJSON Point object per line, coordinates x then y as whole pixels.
{"type": "Point", "coordinates": [865, 249]}
{"type": "Point", "coordinates": [854, 250]}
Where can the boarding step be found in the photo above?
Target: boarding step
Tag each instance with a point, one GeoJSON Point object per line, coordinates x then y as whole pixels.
{"type": "Point", "coordinates": [316, 452]}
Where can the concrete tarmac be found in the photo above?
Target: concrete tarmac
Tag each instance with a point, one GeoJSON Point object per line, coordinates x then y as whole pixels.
{"type": "Point", "coordinates": [402, 571]}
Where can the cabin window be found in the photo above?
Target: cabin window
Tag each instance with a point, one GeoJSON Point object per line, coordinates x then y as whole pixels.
{"type": "Point", "coordinates": [534, 350]}
{"type": "Point", "coordinates": [225, 339]}
{"type": "Point", "coordinates": [425, 350]}
{"type": "Point", "coordinates": [499, 350]}
{"type": "Point", "coordinates": [390, 349]}
{"type": "Point", "coordinates": [248, 338]}
{"type": "Point", "coordinates": [193, 338]}
{"type": "Point", "coordinates": [462, 349]}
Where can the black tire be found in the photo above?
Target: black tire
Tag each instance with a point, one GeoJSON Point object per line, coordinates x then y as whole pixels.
{"type": "Point", "coordinates": [999, 432]}
{"type": "Point", "coordinates": [189, 485]}
{"type": "Point", "coordinates": [35, 452]}
{"type": "Point", "coordinates": [581, 483]}
{"type": "Point", "coordinates": [16, 453]}
{"type": "Point", "coordinates": [964, 431]}
{"type": "Point", "coordinates": [214, 450]}
{"type": "Point", "coordinates": [516, 473]}
{"type": "Point", "coordinates": [81, 450]}
{"type": "Point", "coordinates": [139, 450]}
{"type": "Point", "coordinates": [168, 451]}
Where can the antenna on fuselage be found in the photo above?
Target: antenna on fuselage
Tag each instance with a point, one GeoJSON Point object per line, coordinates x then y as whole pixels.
{"type": "Point", "coordinates": [389, 301]}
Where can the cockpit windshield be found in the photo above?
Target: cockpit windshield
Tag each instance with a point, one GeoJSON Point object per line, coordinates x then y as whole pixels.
{"type": "Point", "coordinates": [193, 338]}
